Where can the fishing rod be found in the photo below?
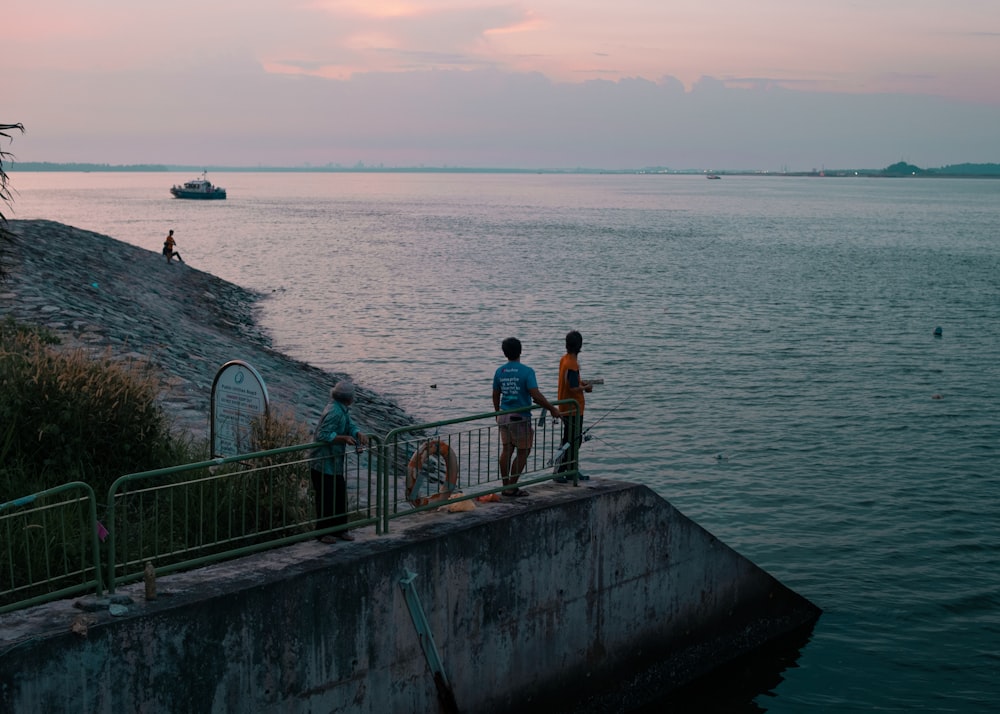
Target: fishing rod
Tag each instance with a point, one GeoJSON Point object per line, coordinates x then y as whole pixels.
{"type": "Point", "coordinates": [584, 435]}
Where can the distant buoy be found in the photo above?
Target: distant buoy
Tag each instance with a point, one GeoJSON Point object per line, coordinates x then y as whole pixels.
{"type": "Point", "coordinates": [938, 332]}
{"type": "Point", "coordinates": [936, 396]}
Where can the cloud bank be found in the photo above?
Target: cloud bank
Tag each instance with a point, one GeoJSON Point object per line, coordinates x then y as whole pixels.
{"type": "Point", "coordinates": [240, 115]}
{"type": "Point", "coordinates": [683, 84]}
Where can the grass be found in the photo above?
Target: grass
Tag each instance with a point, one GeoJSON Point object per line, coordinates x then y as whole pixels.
{"type": "Point", "coordinates": [70, 416]}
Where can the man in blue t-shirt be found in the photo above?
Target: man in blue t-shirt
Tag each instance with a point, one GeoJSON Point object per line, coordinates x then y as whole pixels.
{"type": "Point", "coordinates": [515, 386]}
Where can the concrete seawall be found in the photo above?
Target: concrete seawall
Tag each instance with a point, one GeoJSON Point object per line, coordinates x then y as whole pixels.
{"type": "Point", "coordinates": [560, 601]}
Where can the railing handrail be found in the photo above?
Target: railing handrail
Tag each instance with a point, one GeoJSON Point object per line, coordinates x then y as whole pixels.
{"type": "Point", "coordinates": [385, 483]}
{"type": "Point", "coordinates": [92, 539]}
{"type": "Point", "coordinates": [431, 428]}
{"type": "Point", "coordinates": [210, 464]}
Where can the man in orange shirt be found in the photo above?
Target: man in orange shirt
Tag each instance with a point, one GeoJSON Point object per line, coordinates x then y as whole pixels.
{"type": "Point", "coordinates": [571, 387]}
{"type": "Point", "coordinates": [168, 248]}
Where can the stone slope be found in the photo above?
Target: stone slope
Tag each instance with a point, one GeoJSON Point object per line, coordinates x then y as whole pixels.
{"type": "Point", "coordinates": [99, 294]}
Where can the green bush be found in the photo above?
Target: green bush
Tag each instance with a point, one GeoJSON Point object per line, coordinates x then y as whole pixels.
{"type": "Point", "coordinates": [284, 495]}
{"type": "Point", "coordinates": [68, 416]}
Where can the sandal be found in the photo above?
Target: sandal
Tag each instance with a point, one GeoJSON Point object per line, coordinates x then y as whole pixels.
{"type": "Point", "coordinates": [516, 493]}
{"type": "Point", "coordinates": [328, 539]}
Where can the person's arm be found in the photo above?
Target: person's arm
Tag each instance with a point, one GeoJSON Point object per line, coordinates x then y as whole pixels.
{"type": "Point", "coordinates": [335, 430]}
{"type": "Point", "coordinates": [540, 400]}
{"type": "Point", "coordinates": [577, 385]}
{"type": "Point", "coordinates": [358, 436]}
{"type": "Point", "coordinates": [496, 400]}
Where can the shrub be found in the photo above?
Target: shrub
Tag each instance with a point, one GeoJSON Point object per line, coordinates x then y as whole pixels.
{"type": "Point", "coordinates": [68, 416]}
{"type": "Point", "coordinates": [281, 494]}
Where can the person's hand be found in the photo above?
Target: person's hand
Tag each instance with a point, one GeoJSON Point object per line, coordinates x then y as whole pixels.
{"type": "Point", "coordinates": [363, 438]}
{"type": "Point", "coordinates": [555, 412]}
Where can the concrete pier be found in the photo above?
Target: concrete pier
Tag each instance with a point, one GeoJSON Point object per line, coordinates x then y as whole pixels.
{"type": "Point", "coordinates": [560, 601]}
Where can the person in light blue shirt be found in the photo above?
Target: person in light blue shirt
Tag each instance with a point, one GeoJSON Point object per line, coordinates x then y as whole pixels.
{"type": "Point", "coordinates": [515, 386]}
{"type": "Point", "coordinates": [337, 430]}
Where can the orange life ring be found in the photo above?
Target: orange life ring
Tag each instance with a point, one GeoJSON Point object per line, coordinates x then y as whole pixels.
{"type": "Point", "coordinates": [414, 480]}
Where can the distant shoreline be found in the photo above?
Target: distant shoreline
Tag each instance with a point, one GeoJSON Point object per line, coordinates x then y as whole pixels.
{"type": "Point", "coordinates": [902, 170]}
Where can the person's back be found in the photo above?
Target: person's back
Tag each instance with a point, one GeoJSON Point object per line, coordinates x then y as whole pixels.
{"type": "Point", "coordinates": [514, 387]}
{"type": "Point", "coordinates": [515, 379]}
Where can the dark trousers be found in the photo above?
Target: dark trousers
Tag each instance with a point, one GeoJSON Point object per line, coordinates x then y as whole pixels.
{"type": "Point", "coordinates": [572, 424]}
{"type": "Point", "coordinates": [331, 499]}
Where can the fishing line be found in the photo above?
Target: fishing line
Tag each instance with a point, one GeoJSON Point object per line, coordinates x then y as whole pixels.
{"type": "Point", "coordinates": [606, 414]}
{"type": "Point", "coordinates": [583, 435]}
{"type": "Point", "coordinates": [586, 436]}
{"type": "Point", "coordinates": [626, 453]}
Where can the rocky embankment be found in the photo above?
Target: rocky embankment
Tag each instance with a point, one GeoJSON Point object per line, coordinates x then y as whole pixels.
{"type": "Point", "coordinates": [105, 296]}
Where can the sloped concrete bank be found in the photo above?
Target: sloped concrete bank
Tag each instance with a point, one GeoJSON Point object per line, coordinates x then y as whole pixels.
{"type": "Point", "coordinates": [563, 601]}
{"type": "Point", "coordinates": [108, 297]}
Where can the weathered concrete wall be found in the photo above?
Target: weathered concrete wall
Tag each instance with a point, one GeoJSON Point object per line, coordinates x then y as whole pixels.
{"type": "Point", "coordinates": [536, 603]}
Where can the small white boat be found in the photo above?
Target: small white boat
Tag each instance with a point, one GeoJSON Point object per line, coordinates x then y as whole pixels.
{"type": "Point", "coordinates": [200, 188]}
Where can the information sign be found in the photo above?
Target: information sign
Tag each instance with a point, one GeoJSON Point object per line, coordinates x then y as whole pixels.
{"type": "Point", "coordinates": [238, 397]}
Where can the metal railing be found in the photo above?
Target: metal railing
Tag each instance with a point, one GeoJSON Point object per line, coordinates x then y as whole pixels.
{"type": "Point", "coordinates": [459, 459]}
{"type": "Point", "coordinates": [50, 546]}
{"type": "Point", "coordinates": [185, 516]}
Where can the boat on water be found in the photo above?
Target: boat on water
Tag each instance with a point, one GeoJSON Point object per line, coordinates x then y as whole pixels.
{"type": "Point", "coordinates": [199, 188]}
{"type": "Point", "coordinates": [713, 176]}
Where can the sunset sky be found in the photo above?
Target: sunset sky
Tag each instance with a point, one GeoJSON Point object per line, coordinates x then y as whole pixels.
{"type": "Point", "coordinates": [741, 84]}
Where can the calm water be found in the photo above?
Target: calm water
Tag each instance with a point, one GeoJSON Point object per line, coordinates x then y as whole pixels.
{"type": "Point", "coordinates": [767, 346]}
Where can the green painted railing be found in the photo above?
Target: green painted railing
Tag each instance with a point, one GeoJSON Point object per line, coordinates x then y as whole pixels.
{"type": "Point", "coordinates": [459, 459]}
{"type": "Point", "coordinates": [185, 516]}
{"type": "Point", "coordinates": [50, 546]}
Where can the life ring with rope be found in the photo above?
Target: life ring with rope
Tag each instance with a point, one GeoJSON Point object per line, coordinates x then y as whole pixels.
{"type": "Point", "coordinates": [414, 480]}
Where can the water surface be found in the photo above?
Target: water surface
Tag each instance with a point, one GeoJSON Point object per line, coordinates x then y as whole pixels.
{"type": "Point", "coordinates": [768, 351]}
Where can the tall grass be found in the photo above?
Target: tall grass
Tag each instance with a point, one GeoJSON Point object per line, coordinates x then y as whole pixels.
{"type": "Point", "coordinates": [270, 496]}
{"type": "Point", "coordinates": [66, 415]}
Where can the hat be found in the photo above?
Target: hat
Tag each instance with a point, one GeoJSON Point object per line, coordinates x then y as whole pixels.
{"type": "Point", "coordinates": [342, 391]}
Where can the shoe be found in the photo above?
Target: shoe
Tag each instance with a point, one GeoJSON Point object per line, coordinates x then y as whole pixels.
{"type": "Point", "coordinates": [561, 479]}
{"type": "Point", "coordinates": [516, 493]}
{"type": "Point", "coordinates": [345, 535]}
{"type": "Point", "coordinates": [328, 540]}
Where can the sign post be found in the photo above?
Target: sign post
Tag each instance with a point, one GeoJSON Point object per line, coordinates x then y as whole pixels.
{"type": "Point", "coordinates": [238, 397]}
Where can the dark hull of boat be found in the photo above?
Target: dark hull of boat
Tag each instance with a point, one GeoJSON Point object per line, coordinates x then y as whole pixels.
{"type": "Point", "coordinates": [198, 195]}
